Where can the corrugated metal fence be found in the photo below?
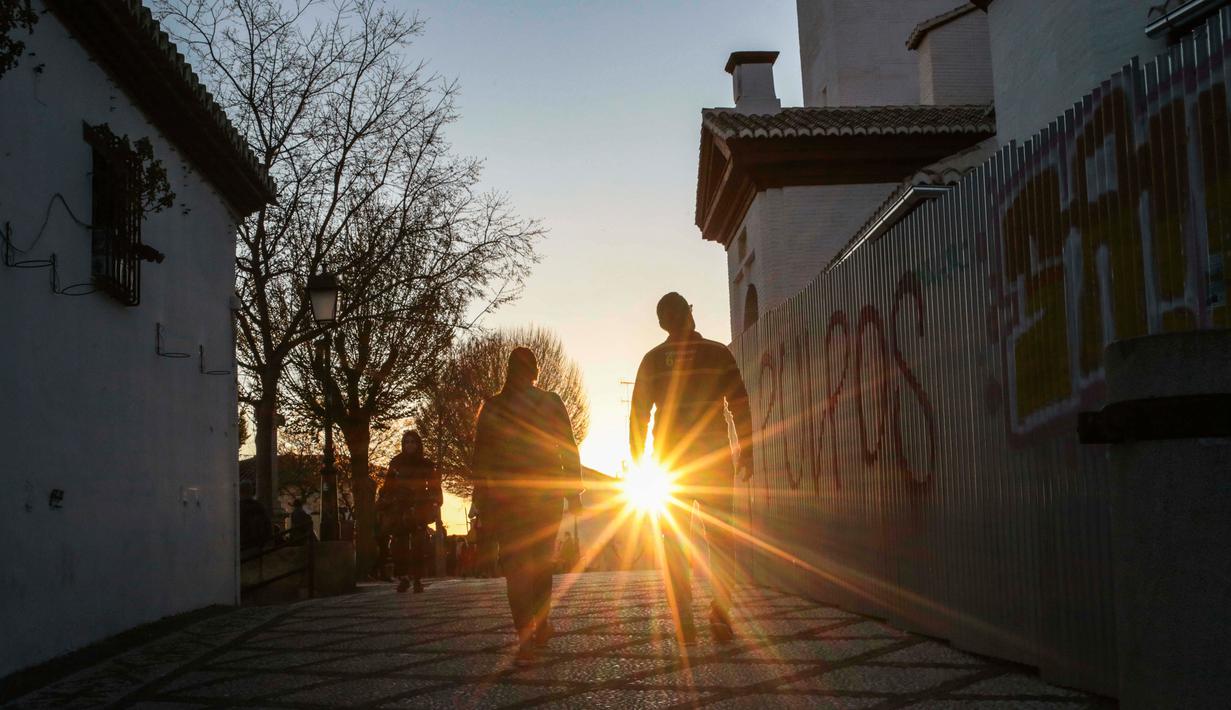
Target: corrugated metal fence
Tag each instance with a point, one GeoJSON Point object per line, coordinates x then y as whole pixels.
{"type": "Point", "coordinates": [917, 403]}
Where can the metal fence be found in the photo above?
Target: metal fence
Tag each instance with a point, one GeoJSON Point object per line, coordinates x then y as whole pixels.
{"type": "Point", "coordinates": [916, 404]}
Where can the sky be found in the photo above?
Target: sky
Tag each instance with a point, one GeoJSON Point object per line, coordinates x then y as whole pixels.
{"type": "Point", "coordinates": [587, 115]}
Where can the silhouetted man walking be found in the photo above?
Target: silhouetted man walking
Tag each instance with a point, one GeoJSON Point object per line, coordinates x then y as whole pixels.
{"type": "Point", "coordinates": [687, 381]}
{"type": "Point", "coordinates": [525, 462]}
{"type": "Point", "coordinates": [411, 498]}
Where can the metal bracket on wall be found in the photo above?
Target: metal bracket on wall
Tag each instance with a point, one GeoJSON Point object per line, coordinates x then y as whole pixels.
{"type": "Point", "coordinates": [1195, 416]}
{"type": "Point", "coordinates": [158, 345]}
{"type": "Point", "coordinates": [201, 364]}
{"type": "Point", "coordinates": [10, 259]}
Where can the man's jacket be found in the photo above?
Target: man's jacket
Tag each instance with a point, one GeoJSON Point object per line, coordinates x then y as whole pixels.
{"type": "Point", "coordinates": [524, 448]}
{"type": "Point", "coordinates": [688, 381]}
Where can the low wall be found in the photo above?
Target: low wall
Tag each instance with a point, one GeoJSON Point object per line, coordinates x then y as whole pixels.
{"type": "Point", "coordinates": [285, 574]}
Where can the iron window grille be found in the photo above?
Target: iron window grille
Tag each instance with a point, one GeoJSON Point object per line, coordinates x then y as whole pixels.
{"type": "Point", "coordinates": [116, 215]}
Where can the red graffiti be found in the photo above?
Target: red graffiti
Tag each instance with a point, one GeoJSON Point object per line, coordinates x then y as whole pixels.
{"type": "Point", "coordinates": [908, 285]}
{"type": "Point", "coordinates": [768, 362]}
{"type": "Point", "coordinates": [803, 373]}
{"type": "Point", "coordinates": [870, 318]}
{"type": "Point", "coordinates": [884, 388]}
{"type": "Point", "coordinates": [833, 390]}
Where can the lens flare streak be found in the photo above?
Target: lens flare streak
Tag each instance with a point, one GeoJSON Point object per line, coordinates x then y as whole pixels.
{"type": "Point", "coordinates": [648, 488]}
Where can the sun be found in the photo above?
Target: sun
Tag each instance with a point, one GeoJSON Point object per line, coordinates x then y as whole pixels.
{"type": "Point", "coordinates": [648, 488]}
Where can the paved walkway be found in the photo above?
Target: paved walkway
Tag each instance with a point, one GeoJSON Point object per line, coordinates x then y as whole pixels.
{"type": "Point", "coordinates": [450, 648]}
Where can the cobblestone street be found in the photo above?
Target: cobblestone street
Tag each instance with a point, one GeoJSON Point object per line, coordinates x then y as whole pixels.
{"type": "Point", "coordinates": [451, 648]}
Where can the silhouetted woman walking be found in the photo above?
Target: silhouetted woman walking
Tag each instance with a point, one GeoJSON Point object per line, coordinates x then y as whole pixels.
{"type": "Point", "coordinates": [410, 501]}
{"type": "Point", "coordinates": [525, 462]}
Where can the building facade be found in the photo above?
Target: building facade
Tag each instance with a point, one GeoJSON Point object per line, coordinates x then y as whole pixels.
{"type": "Point", "coordinates": [1047, 53]}
{"type": "Point", "coordinates": [788, 188]}
{"type": "Point", "coordinates": [121, 189]}
{"type": "Point", "coordinates": [919, 395]}
{"type": "Point", "coordinates": [854, 53]}
{"type": "Point", "coordinates": [1023, 62]}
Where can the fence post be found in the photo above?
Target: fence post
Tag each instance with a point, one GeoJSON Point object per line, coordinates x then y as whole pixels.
{"type": "Point", "coordinates": [311, 566]}
{"type": "Point", "coordinates": [1168, 421]}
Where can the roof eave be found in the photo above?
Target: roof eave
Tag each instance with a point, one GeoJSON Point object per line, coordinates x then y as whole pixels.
{"type": "Point", "coordinates": [167, 95]}
{"type": "Point", "coordinates": [758, 164]}
{"type": "Point", "coordinates": [897, 207]}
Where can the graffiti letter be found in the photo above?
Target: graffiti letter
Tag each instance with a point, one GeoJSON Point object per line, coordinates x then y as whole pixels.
{"type": "Point", "coordinates": [909, 285]}
{"type": "Point", "coordinates": [807, 435]}
{"type": "Point", "coordinates": [870, 318]}
{"type": "Point", "coordinates": [834, 386]}
{"type": "Point", "coordinates": [769, 395]}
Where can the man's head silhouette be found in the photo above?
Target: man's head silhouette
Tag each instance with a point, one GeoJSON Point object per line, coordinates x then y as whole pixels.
{"type": "Point", "coordinates": [675, 315]}
{"type": "Point", "coordinates": [523, 368]}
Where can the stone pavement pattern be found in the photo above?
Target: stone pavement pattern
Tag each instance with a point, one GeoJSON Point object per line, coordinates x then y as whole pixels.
{"type": "Point", "coordinates": [451, 648]}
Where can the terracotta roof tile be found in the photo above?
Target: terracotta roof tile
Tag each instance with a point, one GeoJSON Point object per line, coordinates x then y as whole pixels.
{"type": "Point", "coordinates": [851, 121]}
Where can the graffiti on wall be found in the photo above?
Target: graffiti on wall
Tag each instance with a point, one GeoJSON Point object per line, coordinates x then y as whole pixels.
{"type": "Point", "coordinates": [865, 377]}
{"type": "Point", "coordinates": [1108, 225]}
{"type": "Point", "coordinates": [1110, 229]}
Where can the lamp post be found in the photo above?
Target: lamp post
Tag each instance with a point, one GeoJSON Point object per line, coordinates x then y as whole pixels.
{"type": "Point", "coordinates": [323, 291]}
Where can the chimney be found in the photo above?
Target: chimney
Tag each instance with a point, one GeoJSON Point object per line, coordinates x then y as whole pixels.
{"type": "Point", "coordinates": [752, 78]}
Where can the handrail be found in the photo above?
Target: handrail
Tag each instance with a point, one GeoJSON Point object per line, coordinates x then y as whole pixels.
{"type": "Point", "coordinates": [281, 541]}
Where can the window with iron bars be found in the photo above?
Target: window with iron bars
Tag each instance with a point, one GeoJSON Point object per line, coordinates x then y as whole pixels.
{"type": "Point", "coordinates": [116, 216]}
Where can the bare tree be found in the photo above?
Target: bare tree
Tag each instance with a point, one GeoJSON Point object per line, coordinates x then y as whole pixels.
{"type": "Point", "coordinates": [242, 431]}
{"type": "Point", "coordinates": [299, 471]}
{"type": "Point", "coordinates": [352, 134]}
{"type": "Point", "coordinates": [397, 338]}
{"type": "Point", "coordinates": [475, 371]}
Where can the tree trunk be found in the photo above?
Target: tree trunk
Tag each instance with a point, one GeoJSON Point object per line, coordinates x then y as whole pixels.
{"type": "Point", "coordinates": [358, 440]}
{"type": "Point", "coordinates": [265, 414]}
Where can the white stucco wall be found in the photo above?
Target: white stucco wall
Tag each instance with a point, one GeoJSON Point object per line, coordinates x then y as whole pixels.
{"type": "Point", "coordinates": [1047, 54]}
{"type": "Point", "coordinates": [793, 232]}
{"type": "Point", "coordinates": [853, 52]}
{"type": "Point", "coordinates": [86, 405]}
{"type": "Point", "coordinates": [955, 63]}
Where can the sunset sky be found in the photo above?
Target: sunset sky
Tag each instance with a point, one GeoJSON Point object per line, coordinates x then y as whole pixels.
{"type": "Point", "coordinates": [588, 117]}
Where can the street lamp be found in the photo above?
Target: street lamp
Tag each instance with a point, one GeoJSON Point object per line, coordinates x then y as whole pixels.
{"type": "Point", "coordinates": [323, 290]}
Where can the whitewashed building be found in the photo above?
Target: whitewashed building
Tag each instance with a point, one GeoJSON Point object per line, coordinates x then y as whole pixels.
{"type": "Point", "coordinates": [785, 190]}
{"type": "Point", "coordinates": [117, 384]}
{"type": "Point", "coordinates": [1047, 53]}
{"type": "Point", "coordinates": [899, 98]}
